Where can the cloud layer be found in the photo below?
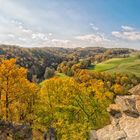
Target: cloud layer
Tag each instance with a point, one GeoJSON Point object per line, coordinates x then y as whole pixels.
{"type": "Point", "coordinates": [95, 28]}
{"type": "Point", "coordinates": [17, 33]}
{"type": "Point", "coordinates": [60, 24]}
{"type": "Point", "coordinates": [127, 33]}
{"type": "Point", "coordinates": [97, 38]}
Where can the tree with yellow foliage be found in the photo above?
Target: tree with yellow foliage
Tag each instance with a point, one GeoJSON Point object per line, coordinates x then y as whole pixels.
{"type": "Point", "coordinates": [17, 94]}
{"type": "Point", "coordinates": [71, 108]}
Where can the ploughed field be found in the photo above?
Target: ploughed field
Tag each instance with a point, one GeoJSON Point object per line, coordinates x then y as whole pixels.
{"type": "Point", "coordinates": [130, 65]}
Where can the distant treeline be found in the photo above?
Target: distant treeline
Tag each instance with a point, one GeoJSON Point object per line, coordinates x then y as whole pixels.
{"type": "Point", "coordinates": [65, 60]}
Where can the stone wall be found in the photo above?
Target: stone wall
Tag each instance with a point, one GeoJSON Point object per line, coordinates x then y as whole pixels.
{"type": "Point", "coordinates": [125, 119]}
{"type": "Point", "coordinates": [10, 131]}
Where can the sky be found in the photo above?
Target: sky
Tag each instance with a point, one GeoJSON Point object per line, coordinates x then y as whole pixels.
{"type": "Point", "coordinates": [70, 23]}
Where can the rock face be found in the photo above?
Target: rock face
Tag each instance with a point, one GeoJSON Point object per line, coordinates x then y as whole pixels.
{"type": "Point", "coordinates": [125, 119]}
{"type": "Point", "coordinates": [10, 131]}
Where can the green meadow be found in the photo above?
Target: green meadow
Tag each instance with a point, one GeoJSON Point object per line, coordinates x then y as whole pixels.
{"type": "Point", "coordinates": [130, 65]}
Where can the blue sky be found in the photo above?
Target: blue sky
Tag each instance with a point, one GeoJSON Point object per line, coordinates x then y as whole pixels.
{"type": "Point", "coordinates": [70, 23]}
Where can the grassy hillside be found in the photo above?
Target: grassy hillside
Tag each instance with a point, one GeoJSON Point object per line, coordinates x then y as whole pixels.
{"type": "Point", "coordinates": [124, 65]}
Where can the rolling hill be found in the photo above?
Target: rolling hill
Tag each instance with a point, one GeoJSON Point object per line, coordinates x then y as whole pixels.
{"type": "Point", "coordinates": [130, 65]}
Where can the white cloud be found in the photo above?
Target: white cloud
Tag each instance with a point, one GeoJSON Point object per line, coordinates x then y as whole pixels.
{"type": "Point", "coordinates": [24, 30]}
{"type": "Point", "coordinates": [15, 22]}
{"type": "Point", "coordinates": [94, 27]}
{"type": "Point", "coordinates": [15, 32]}
{"type": "Point", "coordinates": [93, 38]}
{"type": "Point", "coordinates": [11, 35]}
{"type": "Point", "coordinates": [39, 36]}
{"type": "Point", "coordinates": [127, 28]}
{"type": "Point", "coordinates": [50, 34]}
{"type": "Point", "coordinates": [128, 33]}
{"type": "Point", "coordinates": [22, 39]}
{"type": "Point", "coordinates": [60, 41]}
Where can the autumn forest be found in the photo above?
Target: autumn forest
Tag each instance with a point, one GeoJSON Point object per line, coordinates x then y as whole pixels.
{"type": "Point", "coordinates": [60, 89]}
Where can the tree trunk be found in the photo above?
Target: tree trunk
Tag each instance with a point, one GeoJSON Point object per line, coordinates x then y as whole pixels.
{"type": "Point", "coordinates": [7, 107]}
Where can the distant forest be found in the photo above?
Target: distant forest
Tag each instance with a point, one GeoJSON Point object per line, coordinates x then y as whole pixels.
{"type": "Point", "coordinates": [64, 60]}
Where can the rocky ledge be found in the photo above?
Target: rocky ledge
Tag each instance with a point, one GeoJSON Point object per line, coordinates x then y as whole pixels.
{"type": "Point", "coordinates": [125, 119]}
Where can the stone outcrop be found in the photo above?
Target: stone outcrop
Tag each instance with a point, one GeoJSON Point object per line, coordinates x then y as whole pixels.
{"type": "Point", "coordinates": [125, 119]}
{"type": "Point", "coordinates": [10, 131]}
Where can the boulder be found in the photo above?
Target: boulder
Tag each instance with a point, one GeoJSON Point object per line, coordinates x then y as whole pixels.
{"type": "Point", "coordinates": [125, 119]}
{"type": "Point", "coordinates": [110, 133]}
{"type": "Point", "coordinates": [131, 127]}
{"type": "Point", "coordinates": [135, 90]}
{"type": "Point", "coordinates": [114, 110]}
{"type": "Point", "coordinates": [138, 103]}
{"type": "Point", "coordinates": [127, 105]}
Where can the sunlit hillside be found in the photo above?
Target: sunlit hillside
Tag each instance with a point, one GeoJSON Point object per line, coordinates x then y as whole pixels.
{"type": "Point", "coordinates": [130, 65]}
